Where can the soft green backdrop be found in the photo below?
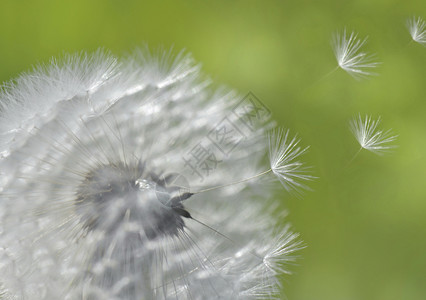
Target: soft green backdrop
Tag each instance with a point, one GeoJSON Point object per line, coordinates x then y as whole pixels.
{"type": "Point", "coordinates": [364, 223]}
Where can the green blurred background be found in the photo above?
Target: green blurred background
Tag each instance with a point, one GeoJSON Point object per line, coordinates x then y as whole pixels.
{"type": "Point", "coordinates": [364, 223]}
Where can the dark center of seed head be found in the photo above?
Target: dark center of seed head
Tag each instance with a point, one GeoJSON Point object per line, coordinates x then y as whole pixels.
{"type": "Point", "coordinates": [115, 198]}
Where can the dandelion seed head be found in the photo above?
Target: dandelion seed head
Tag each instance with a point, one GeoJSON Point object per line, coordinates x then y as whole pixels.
{"type": "Point", "coordinates": [95, 188]}
{"type": "Point", "coordinates": [417, 29]}
{"type": "Point", "coordinates": [370, 137]}
{"type": "Point", "coordinates": [350, 57]}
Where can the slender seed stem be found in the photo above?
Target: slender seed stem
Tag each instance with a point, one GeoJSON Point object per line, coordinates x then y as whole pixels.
{"type": "Point", "coordinates": [232, 183]}
{"type": "Point", "coordinates": [353, 158]}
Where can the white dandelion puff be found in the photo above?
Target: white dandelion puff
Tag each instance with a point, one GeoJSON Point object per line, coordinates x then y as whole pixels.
{"type": "Point", "coordinates": [350, 57]}
{"type": "Point", "coordinates": [284, 153]}
{"type": "Point", "coordinates": [417, 29]}
{"type": "Point", "coordinates": [370, 137]}
{"type": "Point", "coordinates": [97, 163]}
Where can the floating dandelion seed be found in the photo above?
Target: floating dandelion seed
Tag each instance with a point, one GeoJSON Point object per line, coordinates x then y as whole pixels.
{"type": "Point", "coordinates": [369, 137]}
{"type": "Point", "coordinates": [347, 50]}
{"type": "Point", "coordinates": [417, 29]}
{"type": "Point", "coordinates": [96, 199]}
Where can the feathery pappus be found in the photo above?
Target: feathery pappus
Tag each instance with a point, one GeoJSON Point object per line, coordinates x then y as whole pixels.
{"type": "Point", "coordinates": [134, 179]}
{"type": "Point", "coordinates": [417, 28]}
{"type": "Point", "coordinates": [350, 57]}
{"type": "Point", "coordinates": [370, 137]}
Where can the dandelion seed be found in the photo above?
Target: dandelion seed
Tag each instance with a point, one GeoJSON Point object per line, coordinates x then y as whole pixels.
{"type": "Point", "coordinates": [347, 50]}
{"type": "Point", "coordinates": [417, 29]}
{"type": "Point", "coordinates": [369, 137]}
{"type": "Point", "coordinates": [283, 156]}
{"type": "Point", "coordinates": [91, 206]}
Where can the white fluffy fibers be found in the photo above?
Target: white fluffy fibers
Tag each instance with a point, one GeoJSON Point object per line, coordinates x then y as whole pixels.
{"type": "Point", "coordinates": [99, 159]}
